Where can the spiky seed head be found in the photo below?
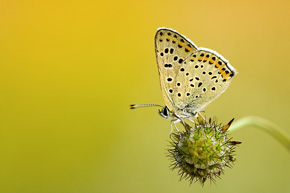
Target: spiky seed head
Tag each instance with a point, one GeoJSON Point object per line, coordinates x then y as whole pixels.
{"type": "Point", "coordinates": [202, 152]}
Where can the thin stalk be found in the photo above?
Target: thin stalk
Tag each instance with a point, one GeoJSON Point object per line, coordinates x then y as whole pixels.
{"type": "Point", "coordinates": [265, 125]}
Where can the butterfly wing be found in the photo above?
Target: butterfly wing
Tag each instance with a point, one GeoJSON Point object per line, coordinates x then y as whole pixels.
{"type": "Point", "coordinates": [201, 78]}
{"type": "Point", "coordinates": [171, 50]}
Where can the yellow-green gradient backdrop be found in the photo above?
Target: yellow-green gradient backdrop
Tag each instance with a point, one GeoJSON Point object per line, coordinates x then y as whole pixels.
{"type": "Point", "coordinates": [70, 69]}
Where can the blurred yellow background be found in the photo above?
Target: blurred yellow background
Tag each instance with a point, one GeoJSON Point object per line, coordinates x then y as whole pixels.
{"type": "Point", "coordinates": [70, 69]}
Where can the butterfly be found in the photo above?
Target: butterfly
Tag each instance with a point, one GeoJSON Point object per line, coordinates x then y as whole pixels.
{"type": "Point", "coordinates": [190, 77]}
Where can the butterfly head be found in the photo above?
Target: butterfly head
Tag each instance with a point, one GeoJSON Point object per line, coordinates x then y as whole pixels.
{"type": "Point", "coordinates": [165, 113]}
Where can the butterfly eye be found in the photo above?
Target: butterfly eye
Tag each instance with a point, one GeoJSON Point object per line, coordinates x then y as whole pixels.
{"type": "Point", "coordinates": [165, 111]}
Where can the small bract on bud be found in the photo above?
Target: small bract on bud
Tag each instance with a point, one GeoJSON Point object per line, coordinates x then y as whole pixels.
{"type": "Point", "coordinates": [202, 152]}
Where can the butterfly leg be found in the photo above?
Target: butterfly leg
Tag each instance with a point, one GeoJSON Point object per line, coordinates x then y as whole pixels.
{"type": "Point", "coordinates": [174, 122]}
{"type": "Point", "coordinates": [191, 121]}
{"type": "Point", "coordinates": [187, 126]}
{"type": "Point", "coordinates": [170, 128]}
{"type": "Point", "coordinates": [198, 113]}
{"type": "Point", "coordinates": [177, 121]}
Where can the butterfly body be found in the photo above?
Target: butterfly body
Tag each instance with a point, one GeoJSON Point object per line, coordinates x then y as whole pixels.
{"type": "Point", "coordinates": [190, 77]}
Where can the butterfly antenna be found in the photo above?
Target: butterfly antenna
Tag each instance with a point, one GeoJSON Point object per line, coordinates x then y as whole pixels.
{"type": "Point", "coordinates": [136, 106]}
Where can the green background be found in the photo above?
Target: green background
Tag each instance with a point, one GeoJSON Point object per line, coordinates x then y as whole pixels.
{"type": "Point", "coordinates": [70, 69]}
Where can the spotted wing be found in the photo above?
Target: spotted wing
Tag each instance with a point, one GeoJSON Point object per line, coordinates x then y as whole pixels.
{"type": "Point", "coordinates": [171, 50]}
{"type": "Point", "coordinates": [202, 77]}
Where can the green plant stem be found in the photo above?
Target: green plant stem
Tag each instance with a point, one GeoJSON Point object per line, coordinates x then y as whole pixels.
{"type": "Point", "coordinates": [265, 125]}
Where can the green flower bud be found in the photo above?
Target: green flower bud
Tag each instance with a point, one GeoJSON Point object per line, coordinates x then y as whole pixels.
{"type": "Point", "coordinates": [202, 152]}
